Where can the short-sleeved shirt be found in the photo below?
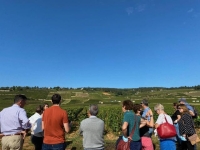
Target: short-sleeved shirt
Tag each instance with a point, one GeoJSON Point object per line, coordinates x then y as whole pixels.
{"type": "Point", "coordinates": [53, 119]}
{"type": "Point", "coordinates": [174, 116]}
{"type": "Point", "coordinates": [131, 118]}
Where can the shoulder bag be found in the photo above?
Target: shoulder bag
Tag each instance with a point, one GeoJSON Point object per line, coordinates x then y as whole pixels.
{"type": "Point", "coordinates": [122, 145]}
{"type": "Point", "coordinates": [166, 130]}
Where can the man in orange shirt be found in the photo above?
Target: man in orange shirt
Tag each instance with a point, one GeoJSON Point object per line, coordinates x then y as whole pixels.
{"type": "Point", "coordinates": [55, 124]}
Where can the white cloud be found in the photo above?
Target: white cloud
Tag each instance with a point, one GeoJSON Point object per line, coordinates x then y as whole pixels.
{"type": "Point", "coordinates": [129, 10]}
{"type": "Point", "coordinates": [140, 8]}
{"type": "Point", "coordinates": [191, 10]}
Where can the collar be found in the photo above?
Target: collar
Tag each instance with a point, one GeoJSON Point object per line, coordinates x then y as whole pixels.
{"type": "Point", "coordinates": [15, 105]}
{"type": "Point", "coordinates": [93, 116]}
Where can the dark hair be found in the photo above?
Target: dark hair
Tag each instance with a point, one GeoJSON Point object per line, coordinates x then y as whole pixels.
{"type": "Point", "coordinates": [39, 109]}
{"type": "Point", "coordinates": [56, 98]}
{"type": "Point", "coordinates": [44, 105]}
{"type": "Point", "coordinates": [128, 104]}
{"type": "Point", "coordinates": [145, 102]}
{"type": "Point", "coordinates": [93, 109]}
{"type": "Point", "coordinates": [19, 98]}
{"type": "Point", "coordinates": [136, 107]}
{"type": "Point", "coordinates": [176, 104]}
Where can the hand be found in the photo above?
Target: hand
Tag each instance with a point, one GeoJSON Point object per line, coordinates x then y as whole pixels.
{"type": "Point", "coordinates": [1, 135]}
{"type": "Point", "coordinates": [175, 121]}
{"type": "Point", "coordinates": [24, 134]}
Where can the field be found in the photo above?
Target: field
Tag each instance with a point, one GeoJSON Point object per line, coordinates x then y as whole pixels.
{"type": "Point", "coordinates": [77, 101]}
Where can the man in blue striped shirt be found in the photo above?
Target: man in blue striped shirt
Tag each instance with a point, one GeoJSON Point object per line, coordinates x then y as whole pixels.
{"type": "Point", "coordinates": [14, 123]}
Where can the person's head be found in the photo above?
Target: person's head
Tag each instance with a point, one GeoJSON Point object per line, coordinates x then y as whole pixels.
{"type": "Point", "coordinates": [175, 105]}
{"type": "Point", "coordinates": [56, 99]}
{"type": "Point", "coordinates": [137, 108]}
{"type": "Point", "coordinates": [183, 109]}
{"type": "Point", "coordinates": [127, 105]}
{"type": "Point", "coordinates": [182, 100]}
{"type": "Point", "coordinates": [39, 110]}
{"type": "Point", "coordinates": [45, 106]}
{"type": "Point", "coordinates": [93, 110]}
{"type": "Point", "coordinates": [158, 108]}
{"type": "Point", "coordinates": [144, 103]}
{"type": "Point", "coordinates": [20, 100]}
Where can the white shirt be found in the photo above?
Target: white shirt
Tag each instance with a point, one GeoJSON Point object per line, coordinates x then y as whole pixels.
{"type": "Point", "coordinates": [36, 122]}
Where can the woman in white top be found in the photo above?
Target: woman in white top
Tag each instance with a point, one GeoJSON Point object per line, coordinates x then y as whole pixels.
{"type": "Point", "coordinates": [36, 129]}
{"type": "Point", "coordinates": [168, 143]}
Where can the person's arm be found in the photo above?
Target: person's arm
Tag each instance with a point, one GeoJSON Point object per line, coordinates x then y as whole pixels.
{"type": "Point", "coordinates": [67, 127]}
{"type": "Point", "coordinates": [159, 121]}
{"type": "Point", "coordinates": [24, 120]}
{"type": "Point", "coordinates": [143, 122]}
{"type": "Point", "coordinates": [124, 129]}
{"type": "Point", "coordinates": [66, 123]}
{"type": "Point", "coordinates": [151, 122]}
{"type": "Point", "coordinates": [191, 113]}
{"type": "Point", "coordinates": [191, 110]}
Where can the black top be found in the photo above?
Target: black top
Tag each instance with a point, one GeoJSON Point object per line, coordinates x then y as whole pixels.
{"type": "Point", "coordinates": [144, 131]}
{"type": "Point", "coordinates": [174, 116]}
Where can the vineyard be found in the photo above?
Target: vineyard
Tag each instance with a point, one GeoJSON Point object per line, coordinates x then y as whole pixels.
{"type": "Point", "coordinates": [76, 103]}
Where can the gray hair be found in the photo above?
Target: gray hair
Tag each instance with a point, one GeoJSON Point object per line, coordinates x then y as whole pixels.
{"type": "Point", "coordinates": [158, 107]}
{"type": "Point", "coordinates": [93, 109]}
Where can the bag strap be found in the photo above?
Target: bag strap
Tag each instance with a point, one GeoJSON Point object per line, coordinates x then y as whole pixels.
{"type": "Point", "coordinates": [132, 132]}
{"type": "Point", "coordinates": [165, 118]}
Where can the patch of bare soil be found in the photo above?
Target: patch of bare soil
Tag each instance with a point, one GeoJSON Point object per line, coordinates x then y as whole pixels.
{"type": "Point", "coordinates": [105, 93]}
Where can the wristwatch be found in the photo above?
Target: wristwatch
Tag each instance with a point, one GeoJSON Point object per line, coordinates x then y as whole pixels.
{"type": "Point", "coordinates": [151, 115]}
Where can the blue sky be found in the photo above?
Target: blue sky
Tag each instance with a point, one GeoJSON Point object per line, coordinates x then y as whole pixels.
{"type": "Point", "coordinates": [100, 43]}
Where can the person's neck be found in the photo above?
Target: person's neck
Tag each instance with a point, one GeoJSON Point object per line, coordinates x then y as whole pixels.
{"type": "Point", "coordinates": [145, 107]}
{"type": "Point", "coordinates": [56, 105]}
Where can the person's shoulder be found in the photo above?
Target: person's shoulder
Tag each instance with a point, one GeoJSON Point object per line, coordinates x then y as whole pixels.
{"type": "Point", "coordinates": [85, 120]}
{"type": "Point", "coordinates": [100, 120]}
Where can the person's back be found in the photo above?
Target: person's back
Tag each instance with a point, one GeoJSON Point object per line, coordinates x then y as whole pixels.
{"type": "Point", "coordinates": [55, 124]}
{"type": "Point", "coordinates": [14, 124]}
{"type": "Point", "coordinates": [92, 130]}
{"type": "Point", "coordinates": [54, 117]}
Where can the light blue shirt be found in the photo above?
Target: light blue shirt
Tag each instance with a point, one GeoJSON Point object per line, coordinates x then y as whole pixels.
{"type": "Point", "coordinates": [13, 120]}
{"type": "Point", "coordinates": [148, 118]}
{"type": "Point", "coordinates": [189, 107]}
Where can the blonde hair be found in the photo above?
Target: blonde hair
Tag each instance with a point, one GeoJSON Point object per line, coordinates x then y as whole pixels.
{"type": "Point", "coordinates": [158, 107]}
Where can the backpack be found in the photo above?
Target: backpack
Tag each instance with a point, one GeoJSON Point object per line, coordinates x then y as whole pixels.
{"type": "Point", "coordinates": [196, 113]}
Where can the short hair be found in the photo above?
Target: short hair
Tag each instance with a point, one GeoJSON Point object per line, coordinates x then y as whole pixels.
{"type": "Point", "coordinates": [19, 97]}
{"type": "Point", "coordinates": [128, 104]}
{"type": "Point", "coordinates": [158, 107]}
{"type": "Point", "coordinates": [145, 102]}
{"type": "Point", "coordinates": [184, 107]}
{"type": "Point", "coordinates": [56, 98]}
{"type": "Point", "coordinates": [93, 109]}
{"type": "Point", "coordinates": [136, 107]}
{"type": "Point", "coordinates": [39, 109]}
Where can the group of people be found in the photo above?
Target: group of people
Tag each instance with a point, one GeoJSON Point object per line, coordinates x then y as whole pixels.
{"type": "Point", "coordinates": [49, 124]}
{"type": "Point", "coordinates": [138, 125]}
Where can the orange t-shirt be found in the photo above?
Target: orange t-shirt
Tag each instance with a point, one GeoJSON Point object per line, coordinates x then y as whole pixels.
{"type": "Point", "coordinates": [53, 119]}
